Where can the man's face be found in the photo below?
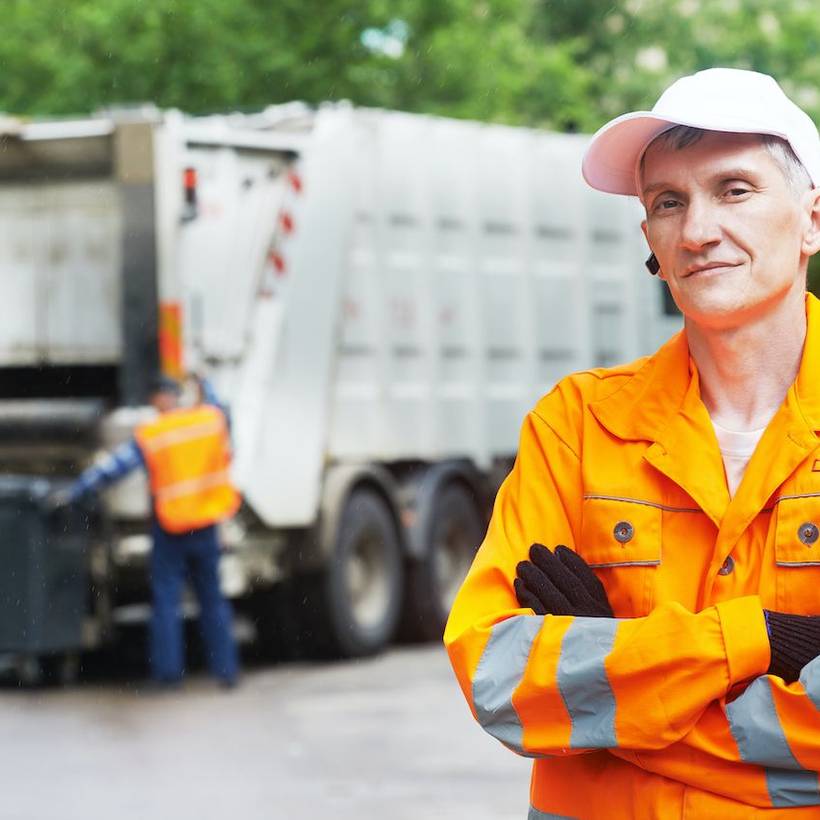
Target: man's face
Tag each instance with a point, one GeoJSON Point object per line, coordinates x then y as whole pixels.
{"type": "Point", "coordinates": [164, 401]}
{"type": "Point", "coordinates": [725, 225]}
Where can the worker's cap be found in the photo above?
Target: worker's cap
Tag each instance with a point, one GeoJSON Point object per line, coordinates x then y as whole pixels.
{"type": "Point", "coordinates": [717, 99]}
{"type": "Point", "coordinates": [165, 384]}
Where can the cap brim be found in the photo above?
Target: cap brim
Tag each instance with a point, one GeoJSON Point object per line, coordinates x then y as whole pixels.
{"type": "Point", "coordinates": [611, 160]}
{"type": "Point", "coordinates": [612, 156]}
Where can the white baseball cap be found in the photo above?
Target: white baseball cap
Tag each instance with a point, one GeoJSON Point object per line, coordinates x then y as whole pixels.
{"type": "Point", "coordinates": [717, 99]}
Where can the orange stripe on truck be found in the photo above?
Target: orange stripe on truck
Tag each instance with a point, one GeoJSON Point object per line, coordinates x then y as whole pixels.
{"type": "Point", "coordinates": [170, 339]}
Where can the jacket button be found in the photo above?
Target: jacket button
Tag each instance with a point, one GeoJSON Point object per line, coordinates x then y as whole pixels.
{"type": "Point", "coordinates": [728, 566]}
{"type": "Point", "coordinates": [623, 532]}
{"type": "Point", "coordinates": [808, 533]}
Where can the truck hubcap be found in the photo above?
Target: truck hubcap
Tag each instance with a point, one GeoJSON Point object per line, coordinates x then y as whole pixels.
{"type": "Point", "coordinates": [366, 577]}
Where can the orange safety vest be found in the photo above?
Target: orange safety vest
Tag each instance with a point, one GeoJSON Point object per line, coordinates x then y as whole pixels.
{"type": "Point", "coordinates": [665, 711]}
{"type": "Point", "coordinates": [187, 453]}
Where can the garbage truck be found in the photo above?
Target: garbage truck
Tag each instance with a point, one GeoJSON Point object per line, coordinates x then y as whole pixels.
{"type": "Point", "coordinates": [377, 297]}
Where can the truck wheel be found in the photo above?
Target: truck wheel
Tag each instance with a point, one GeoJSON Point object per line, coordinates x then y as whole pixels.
{"type": "Point", "coordinates": [354, 605]}
{"type": "Point", "coordinates": [60, 669]}
{"type": "Point", "coordinates": [455, 533]}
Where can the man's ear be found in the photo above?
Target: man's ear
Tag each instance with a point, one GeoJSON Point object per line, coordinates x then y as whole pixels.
{"type": "Point", "coordinates": [811, 236]}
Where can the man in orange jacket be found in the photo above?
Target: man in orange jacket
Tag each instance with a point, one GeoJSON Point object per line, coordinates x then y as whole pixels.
{"type": "Point", "coordinates": [186, 452]}
{"type": "Point", "coordinates": [664, 662]}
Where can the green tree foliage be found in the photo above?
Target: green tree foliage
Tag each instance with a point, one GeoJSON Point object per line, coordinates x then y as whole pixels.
{"type": "Point", "coordinates": [460, 57]}
{"type": "Point", "coordinates": [635, 48]}
{"type": "Point", "coordinates": [565, 64]}
{"type": "Point", "coordinates": [198, 55]}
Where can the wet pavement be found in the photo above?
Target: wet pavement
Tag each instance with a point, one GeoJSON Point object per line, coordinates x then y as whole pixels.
{"type": "Point", "coordinates": [389, 737]}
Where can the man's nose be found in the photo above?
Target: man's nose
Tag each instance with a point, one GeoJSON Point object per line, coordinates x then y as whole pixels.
{"type": "Point", "coordinates": [701, 226]}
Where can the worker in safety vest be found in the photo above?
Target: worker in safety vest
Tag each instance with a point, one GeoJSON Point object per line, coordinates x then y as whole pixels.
{"type": "Point", "coordinates": [665, 661]}
{"type": "Point", "coordinates": [186, 452]}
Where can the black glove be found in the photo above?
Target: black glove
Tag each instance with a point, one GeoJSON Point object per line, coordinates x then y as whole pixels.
{"type": "Point", "coordinates": [795, 641]}
{"type": "Point", "coordinates": [560, 583]}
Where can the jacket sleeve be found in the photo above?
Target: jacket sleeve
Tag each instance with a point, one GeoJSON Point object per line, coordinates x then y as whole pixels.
{"type": "Point", "coordinates": [111, 468]}
{"type": "Point", "coordinates": [548, 685]}
{"type": "Point", "coordinates": [770, 726]}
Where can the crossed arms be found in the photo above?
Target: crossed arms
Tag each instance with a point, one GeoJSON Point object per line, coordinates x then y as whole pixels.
{"type": "Point", "coordinates": [672, 692]}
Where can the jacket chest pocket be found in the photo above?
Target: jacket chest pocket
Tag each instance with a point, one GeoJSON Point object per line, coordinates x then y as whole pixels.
{"type": "Point", "coordinates": [797, 555]}
{"type": "Point", "coordinates": [621, 540]}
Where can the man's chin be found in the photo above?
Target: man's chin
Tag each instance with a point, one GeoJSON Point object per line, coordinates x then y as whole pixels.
{"type": "Point", "coordinates": [716, 312]}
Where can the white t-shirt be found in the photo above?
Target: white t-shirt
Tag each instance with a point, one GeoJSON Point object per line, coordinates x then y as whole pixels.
{"type": "Point", "coordinates": [736, 447]}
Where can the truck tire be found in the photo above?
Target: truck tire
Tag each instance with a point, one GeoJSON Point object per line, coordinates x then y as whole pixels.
{"type": "Point", "coordinates": [53, 670]}
{"type": "Point", "coordinates": [352, 608]}
{"type": "Point", "coordinates": [455, 532]}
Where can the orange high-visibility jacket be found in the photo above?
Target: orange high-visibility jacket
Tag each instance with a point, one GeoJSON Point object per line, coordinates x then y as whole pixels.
{"type": "Point", "coordinates": [187, 453]}
{"type": "Point", "coordinates": [665, 711]}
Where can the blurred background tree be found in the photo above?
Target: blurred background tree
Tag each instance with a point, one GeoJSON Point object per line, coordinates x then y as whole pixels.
{"type": "Point", "coordinates": [559, 64]}
{"type": "Point", "coordinates": [565, 64]}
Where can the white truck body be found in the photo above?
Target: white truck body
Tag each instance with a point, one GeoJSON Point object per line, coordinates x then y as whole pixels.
{"type": "Point", "coordinates": [362, 287]}
{"type": "Point", "coordinates": [437, 278]}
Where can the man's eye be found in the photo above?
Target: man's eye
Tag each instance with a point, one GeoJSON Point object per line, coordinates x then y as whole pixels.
{"type": "Point", "coordinates": [666, 204]}
{"type": "Point", "coordinates": [736, 192]}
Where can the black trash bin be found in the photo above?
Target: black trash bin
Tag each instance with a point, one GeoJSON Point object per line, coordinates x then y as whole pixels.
{"type": "Point", "coordinates": [44, 588]}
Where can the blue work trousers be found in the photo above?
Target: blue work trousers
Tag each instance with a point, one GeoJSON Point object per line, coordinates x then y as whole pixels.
{"type": "Point", "coordinates": [194, 555]}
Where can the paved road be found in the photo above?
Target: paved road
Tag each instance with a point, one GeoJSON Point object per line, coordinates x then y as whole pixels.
{"type": "Point", "coordinates": [384, 738]}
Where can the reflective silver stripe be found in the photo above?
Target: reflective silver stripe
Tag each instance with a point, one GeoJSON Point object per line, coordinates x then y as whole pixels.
{"type": "Point", "coordinates": [584, 685]}
{"type": "Point", "coordinates": [756, 729]}
{"type": "Point", "coordinates": [626, 564]}
{"type": "Point", "coordinates": [498, 674]}
{"type": "Point", "coordinates": [810, 678]}
{"type": "Point", "coordinates": [521, 753]}
{"type": "Point", "coordinates": [787, 788]}
{"type": "Point", "coordinates": [192, 485]}
{"type": "Point", "coordinates": [546, 815]}
{"type": "Point", "coordinates": [760, 739]}
{"type": "Point", "coordinates": [664, 507]}
{"type": "Point", "coordinates": [180, 435]}
{"type": "Point", "coordinates": [792, 497]}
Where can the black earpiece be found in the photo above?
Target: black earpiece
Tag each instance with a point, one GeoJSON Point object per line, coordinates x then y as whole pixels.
{"type": "Point", "coordinates": [652, 264]}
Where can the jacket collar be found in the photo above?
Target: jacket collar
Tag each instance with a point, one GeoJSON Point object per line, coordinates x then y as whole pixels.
{"type": "Point", "coordinates": [642, 407]}
{"type": "Point", "coordinates": [807, 384]}
{"type": "Point", "coordinates": [667, 384]}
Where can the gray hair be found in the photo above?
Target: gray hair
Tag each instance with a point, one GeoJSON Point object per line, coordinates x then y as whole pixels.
{"type": "Point", "coordinates": [780, 151]}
